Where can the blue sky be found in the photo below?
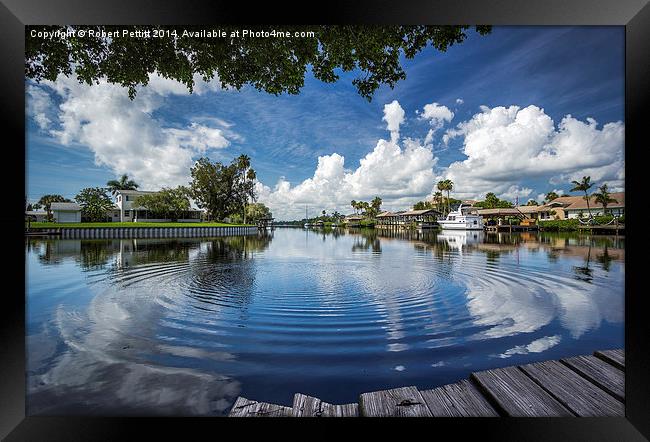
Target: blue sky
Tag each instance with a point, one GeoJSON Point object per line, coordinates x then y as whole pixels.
{"type": "Point", "coordinates": [508, 92]}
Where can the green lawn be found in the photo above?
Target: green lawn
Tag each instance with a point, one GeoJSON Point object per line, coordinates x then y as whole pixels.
{"type": "Point", "coordinates": [130, 225]}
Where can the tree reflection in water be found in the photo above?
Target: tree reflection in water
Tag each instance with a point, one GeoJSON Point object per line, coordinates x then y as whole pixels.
{"type": "Point", "coordinates": [584, 273]}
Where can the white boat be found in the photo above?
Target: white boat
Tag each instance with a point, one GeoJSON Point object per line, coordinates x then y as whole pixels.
{"type": "Point", "coordinates": [462, 219]}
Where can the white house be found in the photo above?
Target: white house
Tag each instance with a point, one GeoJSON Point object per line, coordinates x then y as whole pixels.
{"type": "Point", "coordinates": [66, 212]}
{"type": "Point", "coordinates": [127, 211]}
{"type": "Point", "coordinates": [567, 207]}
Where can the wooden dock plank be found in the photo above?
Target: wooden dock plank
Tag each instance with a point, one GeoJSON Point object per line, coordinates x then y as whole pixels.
{"type": "Point", "coordinates": [461, 399]}
{"type": "Point", "coordinates": [518, 395]}
{"type": "Point", "coordinates": [399, 402]}
{"type": "Point", "coordinates": [614, 357]}
{"type": "Point", "coordinates": [573, 391]}
{"type": "Point", "coordinates": [309, 406]}
{"type": "Point", "coordinates": [605, 375]}
{"type": "Point", "coordinates": [246, 408]}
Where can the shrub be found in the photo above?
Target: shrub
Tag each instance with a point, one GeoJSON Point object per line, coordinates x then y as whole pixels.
{"type": "Point", "coordinates": [560, 225]}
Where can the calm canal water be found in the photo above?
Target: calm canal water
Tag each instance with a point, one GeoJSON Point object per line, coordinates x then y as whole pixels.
{"type": "Point", "coordinates": [184, 326]}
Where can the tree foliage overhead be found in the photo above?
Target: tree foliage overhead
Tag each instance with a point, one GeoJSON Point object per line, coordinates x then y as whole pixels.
{"type": "Point", "coordinates": [274, 65]}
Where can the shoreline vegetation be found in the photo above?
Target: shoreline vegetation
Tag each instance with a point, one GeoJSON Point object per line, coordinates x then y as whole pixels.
{"type": "Point", "coordinates": [562, 225]}
{"type": "Point", "coordinates": [365, 213]}
{"type": "Point", "coordinates": [224, 194]}
{"type": "Point", "coordinates": [47, 225]}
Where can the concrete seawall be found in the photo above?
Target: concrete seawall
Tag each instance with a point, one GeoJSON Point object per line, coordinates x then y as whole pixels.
{"type": "Point", "coordinates": [146, 232]}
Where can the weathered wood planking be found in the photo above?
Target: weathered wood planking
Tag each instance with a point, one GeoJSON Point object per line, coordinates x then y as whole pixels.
{"type": "Point", "coordinates": [399, 402]}
{"type": "Point", "coordinates": [571, 386]}
{"type": "Point", "coordinates": [573, 391]}
{"type": "Point", "coordinates": [461, 399]}
{"type": "Point", "coordinates": [614, 357]}
{"type": "Point", "coordinates": [517, 394]}
{"type": "Point", "coordinates": [309, 406]}
{"type": "Point", "coordinates": [606, 376]}
{"type": "Point", "coordinates": [246, 408]}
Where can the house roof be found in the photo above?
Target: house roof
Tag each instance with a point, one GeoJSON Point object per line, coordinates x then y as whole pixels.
{"type": "Point", "coordinates": [65, 206]}
{"type": "Point", "coordinates": [354, 217]}
{"type": "Point", "coordinates": [499, 211]}
{"type": "Point", "coordinates": [579, 202]}
{"type": "Point", "coordinates": [386, 214]}
{"type": "Point", "coordinates": [533, 209]}
{"type": "Point", "coordinates": [419, 212]}
{"type": "Point", "coordinates": [135, 192]}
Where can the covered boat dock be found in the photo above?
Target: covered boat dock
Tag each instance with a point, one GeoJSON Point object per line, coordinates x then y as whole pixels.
{"type": "Point", "coordinates": [423, 219]}
{"type": "Point", "coordinates": [500, 219]}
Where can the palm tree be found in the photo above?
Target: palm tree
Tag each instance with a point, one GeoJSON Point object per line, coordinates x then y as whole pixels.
{"type": "Point", "coordinates": [441, 187]}
{"type": "Point", "coordinates": [243, 164]}
{"type": "Point", "coordinates": [47, 200]}
{"type": "Point", "coordinates": [353, 203]}
{"type": "Point", "coordinates": [124, 183]}
{"type": "Point", "coordinates": [437, 199]}
{"type": "Point", "coordinates": [583, 186]}
{"type": "Point", "coordinates": [250, 178]}
{"type": "Point", "coordinates": [604, 198]}
{"type": "Point", "coordinates": [446, 185]}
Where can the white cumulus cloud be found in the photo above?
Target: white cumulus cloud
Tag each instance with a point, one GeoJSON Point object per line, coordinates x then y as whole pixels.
{"type": "Point", "coordinates": [394, 117]}
{"type": "Point", "coordinates": [39, 106]}
{"type": "Point", "coordinates": [508, 146]}
{"type": "Point", "coordinates": [123, 134]}
{"type": "Point", "coordinates": [401, 173]}
{"type": "Point", "coordinates": [437, 115]}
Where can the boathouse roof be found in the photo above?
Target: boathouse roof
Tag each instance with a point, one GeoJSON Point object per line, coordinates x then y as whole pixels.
{"type": "Point", "coordinates": [419, 212]}
{"type": "Point", "coordinates": [65, 206]}
{"type": "Point", "coordinates": [503, 211]}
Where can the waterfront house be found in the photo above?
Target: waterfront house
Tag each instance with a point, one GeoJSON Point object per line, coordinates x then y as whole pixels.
{"type": "Point", "coordinates": [130, 212]}
{"type": "Point", "coordinates": [66, 212]}
{"type": "Point", "coordinates": [568, 207]}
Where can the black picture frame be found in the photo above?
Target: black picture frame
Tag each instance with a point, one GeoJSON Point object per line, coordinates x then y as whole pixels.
{"type": "Point", "coordinates": [633, 14]}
